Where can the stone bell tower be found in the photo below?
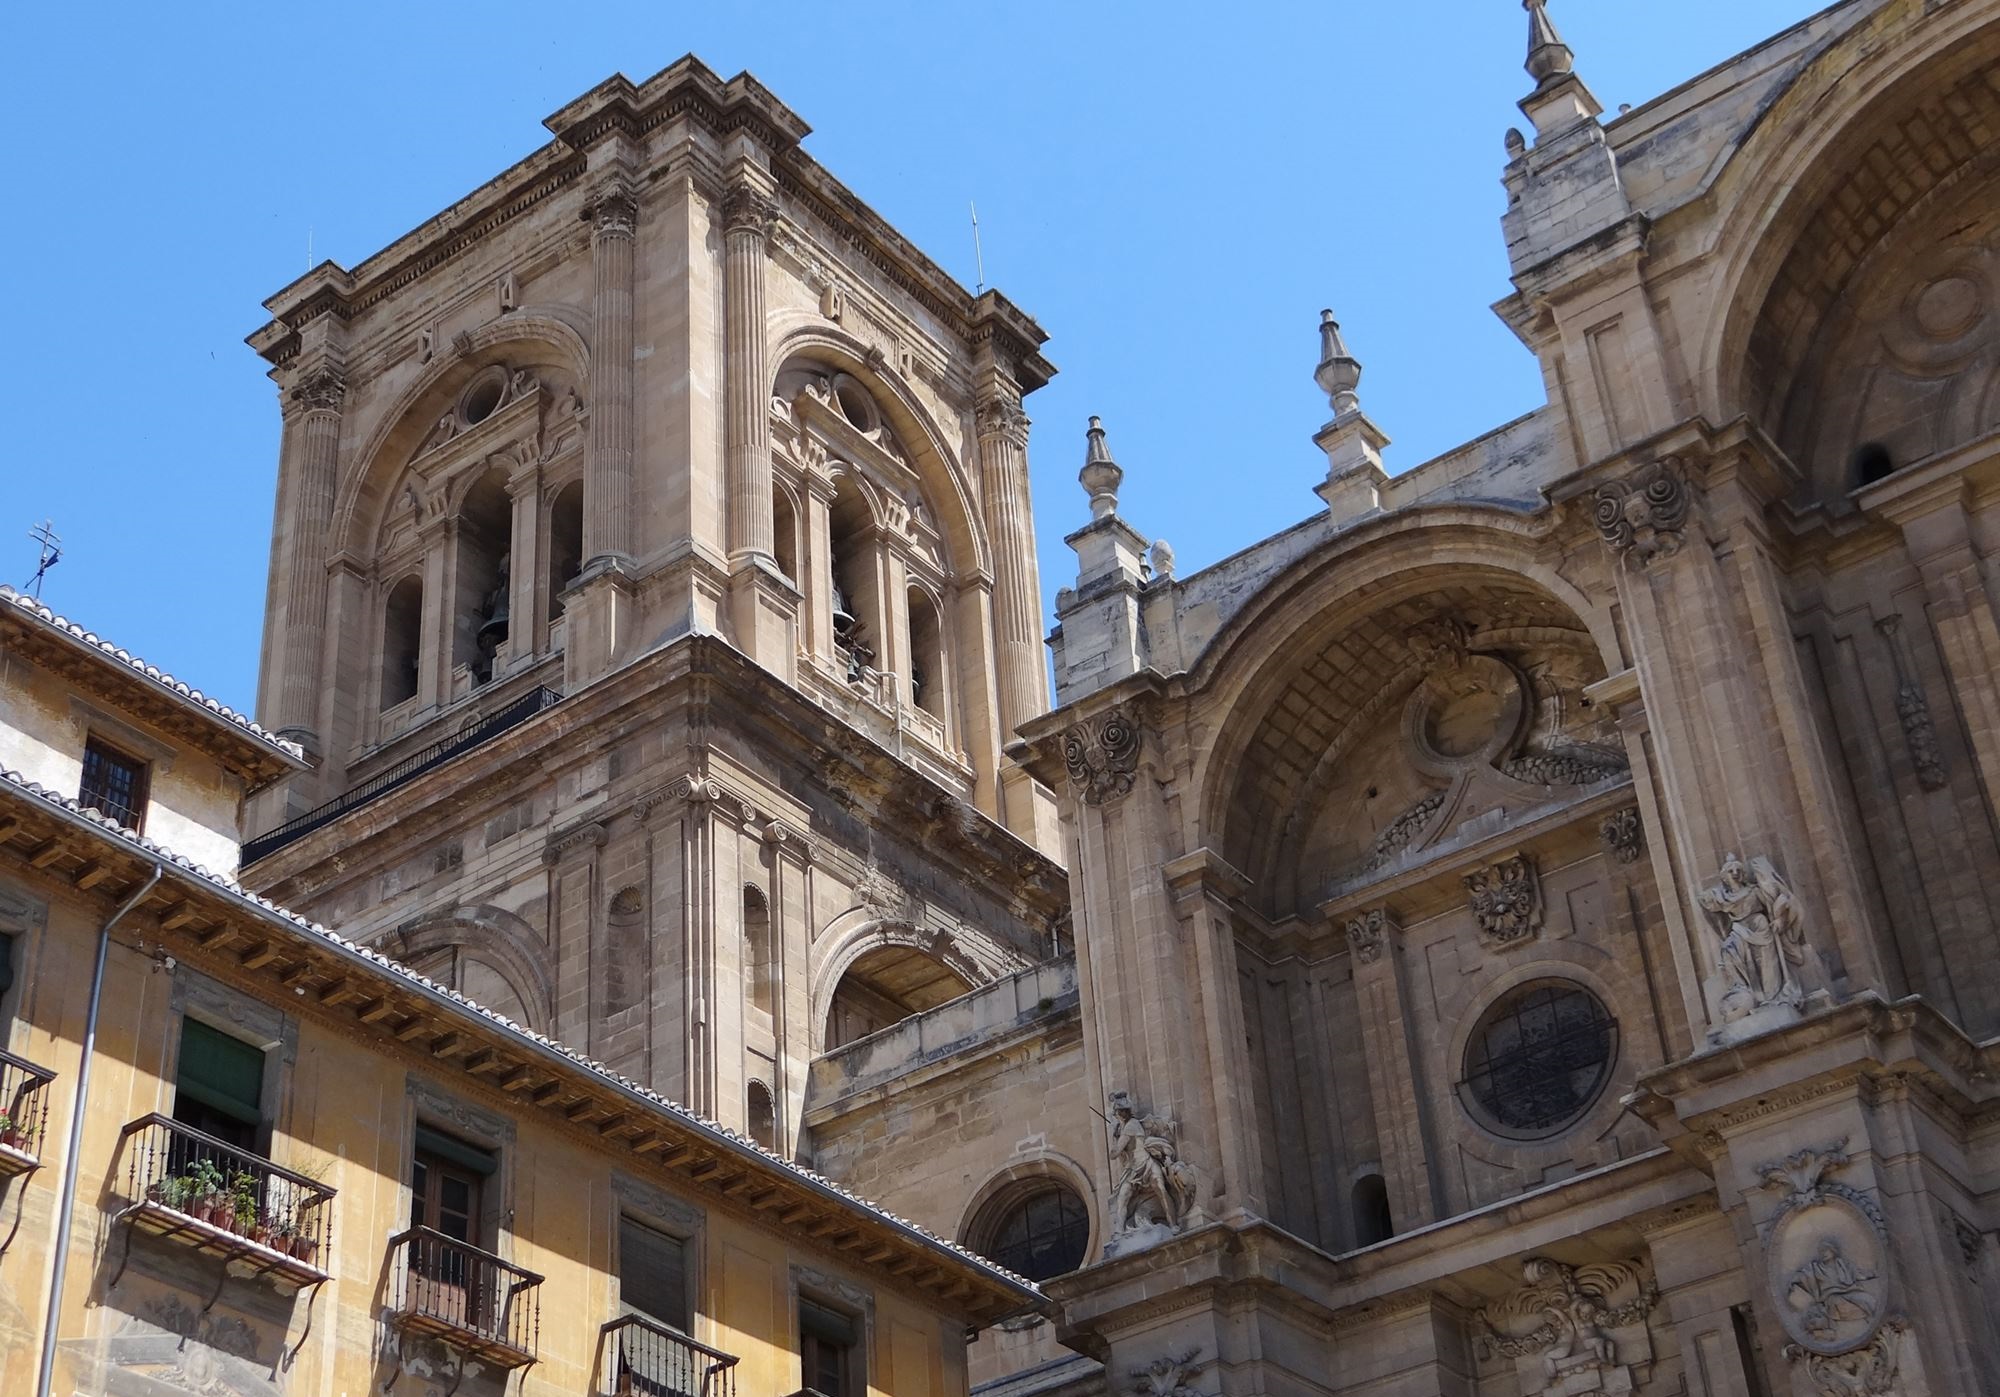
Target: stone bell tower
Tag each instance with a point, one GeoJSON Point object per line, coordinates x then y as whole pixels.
{"type": "Point", "coordinates": [653, 587]}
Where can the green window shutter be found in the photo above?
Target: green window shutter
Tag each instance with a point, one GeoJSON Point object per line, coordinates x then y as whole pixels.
{"type": "Point", "coordinates": [7, 944]}
{"type": "Point", "coordinates": [454, 1151]}
{"type": "Point", "coordinates": [652, 1273]}
{"type": "Point", "coordinates": [222, 1073]}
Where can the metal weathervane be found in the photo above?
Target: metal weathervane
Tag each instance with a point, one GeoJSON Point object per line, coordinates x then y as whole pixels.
{"type": "Point", "coordinates": [50, 546]}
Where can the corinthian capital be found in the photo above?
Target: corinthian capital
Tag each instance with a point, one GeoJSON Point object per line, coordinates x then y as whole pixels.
{"type": "Point", "coordinates": [747, 209]}
{"type": "Point", "coordinates": [1000, 415]}
{"type": "Point", "coordinates": [614, 212]}
{"type": "Point", "coordinates": [320, 390]}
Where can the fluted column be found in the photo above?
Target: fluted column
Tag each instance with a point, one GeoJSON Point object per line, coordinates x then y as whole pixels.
{"type": "Point", "coordinates": [608, 493]}
{"type": "Point", "coordinates": [319, 395]}
{"type": "Point", "coordinates": [1010, 536]}
{"type": "Point", "coordinates": [746, 216]}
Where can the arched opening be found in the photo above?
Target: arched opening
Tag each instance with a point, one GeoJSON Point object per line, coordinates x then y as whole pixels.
{"type": "Point", "coordinates": [785, 532]}
{"type": "Point", "coordinates": [402, 641]}
{"type": "Point", "coordinates": [762, 1114]}
{"type": "Point", "coordinates": [759, 968]}
{"type": "Point", "coordinates": [886, 986]}
{"type": "Point", "coordinates": [1372, 1220]}
{"type": "Point", "coordinates": [565, 543]}
{"type": "Point", "coordinates": [480, 613]}
{"type": "Point", "coordinates": [1038, 1228]}
{"type": "Point", "coordinates": [857, 600]}
{"type": "Point", "coordinates": [927, 659]}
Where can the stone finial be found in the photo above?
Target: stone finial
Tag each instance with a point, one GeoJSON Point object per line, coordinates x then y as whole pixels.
{"type": "Point", "coordinates": [1163, 559]}
{"type": "Point", "coordinates": [1339, 373]}
{"type": "Point", "coordinates": [1549, 57]}
{"type": "Point", "coordinates": [1100, 474]}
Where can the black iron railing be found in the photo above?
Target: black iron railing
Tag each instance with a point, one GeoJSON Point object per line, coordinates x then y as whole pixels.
{"type": "Point", "coordinates": [473, 1300]}
{"type": "Point", "coordinates": [186, 1183]}
{"type": "Point", "coordinates": [644, 1358]}
{"type": "Point", "coordinates": [24, 1112]}
{"type": "Point", "coordinates": [535, 701]}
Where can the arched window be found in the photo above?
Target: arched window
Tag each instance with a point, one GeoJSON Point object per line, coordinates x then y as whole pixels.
{"type": "Point", "coordinates": [480, 615]}
{"type": "Point", "coordinates": [402, 641]}
{"type": "Point", "coordinates": [759, 969]}
{"type": "Point", "coordinates": [1039, 1229]}
{"type": "Point", "coordinates": [1372, 1221]}
{"type": "Point", "coordinates": [785, 532]}
{"type": "Point", "coordinates": [927, 660]}
{"type": "Point", "coordinates": [1538, 1059]}
{"type": "Point", "coordinates": [565, 543]}
{"type": "Point", "coordinates": [857, 610]}
{"type": "Point", "coordinates": [762, 1115]}
{"type": "Point", "coordinates": [885, 986]}
{"type": "Point", "coordinates": [624, 950]}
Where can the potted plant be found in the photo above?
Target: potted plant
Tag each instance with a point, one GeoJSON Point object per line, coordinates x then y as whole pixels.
{"type": "Point", "coordinates": [303, 1245]}
{"type": "Point", "coordinates": [208, 1194]}
{"type": "Point", "coordinates": [11, 1134]}
{"type": "Point", "coordinates": [243, 1209]}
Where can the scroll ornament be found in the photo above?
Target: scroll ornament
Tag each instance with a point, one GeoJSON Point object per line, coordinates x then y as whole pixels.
{"type": "Point", "coordinates": [1643, 518]}
{"type": "Point", "coordinates": [1574, 1329]}
{"type": "Point", "coordinates": [1102, 756]}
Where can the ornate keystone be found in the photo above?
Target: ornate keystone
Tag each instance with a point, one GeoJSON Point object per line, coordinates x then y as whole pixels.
{"type": "Point", "coordinates": [1506, 900]}
{"type": "Point", "coordinates": [1102, 755]}
{"type": "Point", "coordinates": [1644, 516]}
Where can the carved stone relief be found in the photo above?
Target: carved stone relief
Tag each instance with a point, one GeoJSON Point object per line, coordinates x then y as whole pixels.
{"type": "Point", "coordinates": [1506, 901]}
{"type": "Point", "coordinates": [1368, 934]}
{"type": "Point", "coordinates": [1168, 1375]}
{"type": "Point", "coordinates": [1102, 756]}
{"type": "Point", "coordinates": [1761, 946]}
{"type": "Point", "coordinates": [1827, 1263]}
{"type": "Point", "coordinates": [1574, 1330]}
{"type": "Point", "coordinates": [1913, 710]}
{"type": "Point", "coordinates": [1643, 518]}
{"type": "Point", "coordinates": [1623, 834]}
{"type": "Point", "coordinates": [1153, 1191]}
{"type": "Point", "coordinates": [169, 1346]}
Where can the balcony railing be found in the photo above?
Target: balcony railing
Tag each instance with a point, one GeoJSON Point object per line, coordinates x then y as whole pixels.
{"type": "Point", "coordinates": [190, 1188]}
{"type": "Point", "coordinates": [470, 1299]}
{"type": "Point", "coordinates": [643, 1358]}
{"type": "Point", "coordinates": [416, 764]}
{"type": "Point", "coordinates": [24, 1114]}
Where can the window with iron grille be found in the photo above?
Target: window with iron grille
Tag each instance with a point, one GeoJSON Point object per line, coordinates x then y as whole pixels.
{"type": "Point", "coordinates": [1041, 1235]}
{"type": "Point", "coordinates": [113, 784]}
{"type": "Point", "coordinates": [1539, 1059]}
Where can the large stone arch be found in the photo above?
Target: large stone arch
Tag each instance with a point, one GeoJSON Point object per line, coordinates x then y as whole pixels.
{"type": "Point", "coordinates": [1826, 177]}
{"type": "Point", "coordinates": [493, 940]}
{"type": "Point", "coordinates": [366, 493]}
{"type": "Point", "coordinates": [921, 969]}
{"type": "Point", "coordinates": [1407, 568]}
{"type": "Point", "coordinates": [945, 476]}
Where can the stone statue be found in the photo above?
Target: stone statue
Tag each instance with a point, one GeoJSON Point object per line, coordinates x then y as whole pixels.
{"type": "Point", "coordinates": [493, 625]}
{"type": "Point", "coordinates": [1831, 1292]}
{"type": "Point", "coordinates": [1155, 1189]}
{"type": "Point", "coordinates": [1763, 938]}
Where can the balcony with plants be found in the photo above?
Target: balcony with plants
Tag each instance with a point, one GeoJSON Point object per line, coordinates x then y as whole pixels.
{"type": "Point", "coordinates": [24, 1114]}
{"type": "Point", "coordinates": [194, 1190]}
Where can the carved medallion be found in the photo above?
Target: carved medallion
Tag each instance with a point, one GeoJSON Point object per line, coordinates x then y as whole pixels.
{"type": "Point", "coordinates": [1827, 1256]}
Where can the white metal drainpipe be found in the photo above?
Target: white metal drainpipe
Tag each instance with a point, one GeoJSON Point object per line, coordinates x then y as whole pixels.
{"type": "Point", "coordinates": [76, 1136]}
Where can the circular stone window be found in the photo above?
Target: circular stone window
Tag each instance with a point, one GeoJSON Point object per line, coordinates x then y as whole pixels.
{"type": "Point", "coordinates": [1538, 1060]}
{"type": "Point", "coordinates": [482, 399]}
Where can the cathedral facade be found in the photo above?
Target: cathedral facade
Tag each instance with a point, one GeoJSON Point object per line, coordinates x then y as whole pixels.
{"type": "Point", "coordinates": [1527, 928]}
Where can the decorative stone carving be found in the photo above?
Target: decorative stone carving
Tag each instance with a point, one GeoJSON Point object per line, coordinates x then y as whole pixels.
{"type": "Point", "coordinates": [1163, 560]}
{"type": "Point", "coordinates": [1644, 516]}
{"type": "Point", "coordinates": [1397, 834]}
{"type": "Point", "coordinates": [1102, 756]}
{"type": "Point", "coordinates": [1167, 1375]}
{"type": "Point", "coordinates": [1572, 764]}
{"type": "Point", "coordinates": [1913, 710]}
{"type": "Point", "coordinates": [1623, 834]}
{"type": "Point", "coordinates": [1441, 642]}
{"type": "Point", "coordinates": [1828, 1259]}
{"type": "Point", "coordinates": [1574, 1329]}
{"type": "Point", "coordinates": [747, 209]}
{"type": "Point", "coordinates": [1506, 899]}
{"type": "Point", "coordinates": [1000, 415]}
{"type": "Point", "coordinates": [321, 390]}
{"type": "Point", "coordinates": [1368, 934]}
{"type": "Point", "coordinates": [1154, 1189]}
{"type": "Point", "coordinates": [1762, 934]}
{"type": "Point", "coordinates": [615, 211]}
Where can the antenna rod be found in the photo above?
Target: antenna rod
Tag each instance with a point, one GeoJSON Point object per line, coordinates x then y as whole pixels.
{"type": "Point", "coordinates": [978, 256]}
{"type": "Point", "coordinates": [49, 553]}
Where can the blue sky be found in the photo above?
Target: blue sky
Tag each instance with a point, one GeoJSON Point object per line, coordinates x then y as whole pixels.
{"type": "Point", "coordinates": [1173, 191]}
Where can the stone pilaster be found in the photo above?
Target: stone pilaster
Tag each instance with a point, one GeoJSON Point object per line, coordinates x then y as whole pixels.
{"type": "Point", "coordinates": [614, 217]}
{"type": "Point", "coordinates": [1402, 1109]}
{"type": "Point", "coordinates": [318, 396]}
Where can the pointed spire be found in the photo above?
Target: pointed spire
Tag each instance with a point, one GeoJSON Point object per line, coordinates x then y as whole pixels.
{"type": "Point", "coordinates": [1548, 56]}
{"type": "Point", "coordinates": [1100, 474]}
{"type": "Point", "coordinates": [1339, 373]}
